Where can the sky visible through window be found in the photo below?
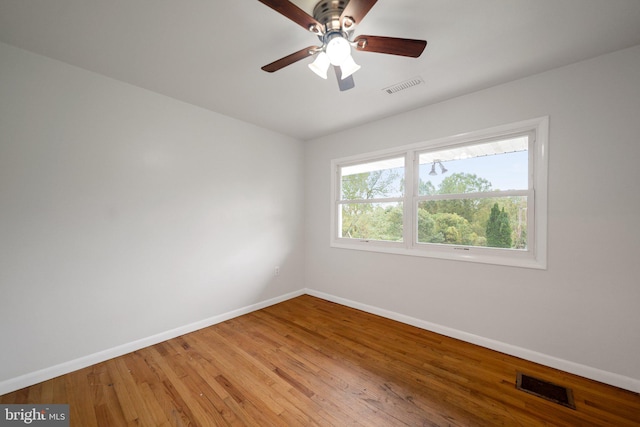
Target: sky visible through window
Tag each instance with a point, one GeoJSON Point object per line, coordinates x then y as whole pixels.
{"type": "Point", "coordinates": [507, 171]}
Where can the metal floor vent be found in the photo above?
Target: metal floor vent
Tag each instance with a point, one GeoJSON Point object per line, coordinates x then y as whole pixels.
{"type": "Point", "coordinates": [546, 390]}
{"type": "Point", "coordinates": [404, 85]}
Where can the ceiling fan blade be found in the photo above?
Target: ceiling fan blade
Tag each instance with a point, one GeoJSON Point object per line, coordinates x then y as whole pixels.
{"type": "Point", "coordinates": [290, 59]}
{"type": "Point", "coordinates": [357, 9]}
{"type": "Point", "coordinates": [345, 84]}
{"type": "Point", "coordinates": [391, 45]}
{"type": "Point", "coordinates": [294, 13]}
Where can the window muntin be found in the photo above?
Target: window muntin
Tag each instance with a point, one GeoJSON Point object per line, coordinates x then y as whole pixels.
{"type": "Point", "coordinates": [518, 184]}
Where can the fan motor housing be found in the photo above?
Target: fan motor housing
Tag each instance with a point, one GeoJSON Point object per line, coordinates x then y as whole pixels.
{"type": "Point", "coordinates": [328, 12]}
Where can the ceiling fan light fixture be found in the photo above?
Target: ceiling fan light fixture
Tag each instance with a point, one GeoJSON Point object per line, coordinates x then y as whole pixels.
{"type": "Point", "coordinates": [320, 65]}
{"type": "Point", "coordinates": [334, 21]}
{"type": "Point", "coordinates": [348, 67]}
{"type": "Point", "coordinates": [338, 49]}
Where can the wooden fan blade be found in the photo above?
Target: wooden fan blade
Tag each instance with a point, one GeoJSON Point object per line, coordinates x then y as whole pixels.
{"type": "Point", "coordinates": [391, 45]}
{"type": "Point", "coordinates": [294, 13]}
{"type": "Point", "coordinates": [357, 9]}
{"type": "Point", "coordinates": [290, 59]}
{"type": "Point", "coordinates": [345, 84]}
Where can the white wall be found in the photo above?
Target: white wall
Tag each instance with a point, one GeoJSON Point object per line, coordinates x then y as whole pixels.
{"type": "Point", "coordinates": [125, 214]}
{"type": "Point", "coordinates": [582, 313]}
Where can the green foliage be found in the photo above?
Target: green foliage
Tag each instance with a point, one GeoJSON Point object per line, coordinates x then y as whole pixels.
{"type": "Point", "coordinates": [498, 228]}
{"type": "Point", "coordinates": [370, 185]}
{"type": "Point", "coordinates": [455, 229]}
{"type": "Point", "coordinates": [445, 227]}
{"type": "Point", "coordinates": [387, 224]}
{"type": "Point", "coordinates": [436, 223]}
{"type": "Point", "coordinates": [371, 220]}
{"type": "Point", "coordinates": [426, 188]}
{"type": "Point", "coordinates": [460, 183]}
{"type": "Point", "coordinates": [427, 227]}
{"type": "Point", "coordinates": [469, 222]}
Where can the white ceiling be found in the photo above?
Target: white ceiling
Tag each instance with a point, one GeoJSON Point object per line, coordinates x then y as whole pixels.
{"type": "Point", "coordinates": [209, 52]}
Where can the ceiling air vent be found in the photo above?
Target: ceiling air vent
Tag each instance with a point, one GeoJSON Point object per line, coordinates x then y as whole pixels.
{"type": "Point", "coordinates": [403, 85]}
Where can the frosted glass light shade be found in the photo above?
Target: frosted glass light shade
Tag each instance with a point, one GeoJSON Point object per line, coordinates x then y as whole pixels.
{"type": "Point", "coordinates": [348, 67]}
{"type": "Point", "coordinates": [320, 65]}
{"type": "Point", "coordinates": [338, 50]}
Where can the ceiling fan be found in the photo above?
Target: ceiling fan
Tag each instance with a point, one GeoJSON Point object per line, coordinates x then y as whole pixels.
{"type": "Point", "coordinates": [333, 21]}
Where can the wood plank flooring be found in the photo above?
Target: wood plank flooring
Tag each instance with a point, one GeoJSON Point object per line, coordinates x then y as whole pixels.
{"type": "Point", "coordinates": [309, 362]}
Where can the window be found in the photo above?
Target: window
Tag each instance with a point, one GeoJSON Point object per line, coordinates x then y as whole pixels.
{"type": "Point", "coordinates": [477, 197]}
{"type": "Point", "coordinates": [371, 200]}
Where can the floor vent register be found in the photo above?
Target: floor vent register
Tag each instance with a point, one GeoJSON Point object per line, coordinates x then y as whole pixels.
{"type": "Point", "coordinates": [546, 390]}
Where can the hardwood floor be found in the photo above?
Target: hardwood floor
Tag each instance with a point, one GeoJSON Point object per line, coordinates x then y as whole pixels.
{"type": "Point", "coordinates": [308, 362]}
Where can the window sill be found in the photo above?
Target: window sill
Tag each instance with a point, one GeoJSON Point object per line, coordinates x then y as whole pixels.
{"type": "Point", "coordinates": [523, 259]}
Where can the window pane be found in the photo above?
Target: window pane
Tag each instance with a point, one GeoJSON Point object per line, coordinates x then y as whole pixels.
{"type": "Point", "coordinates": [490, 222]}
{"type": "Point", "coordinates": [372, 221]}
{"type": "Point", "coordinates": [373, 180]}
{"type": "Point", "coordinates": [497, 165]}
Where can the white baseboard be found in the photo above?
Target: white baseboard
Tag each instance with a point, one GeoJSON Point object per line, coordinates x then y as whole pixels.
{"type": "Point", "coordinates": [599, 375]}
{"type": "Point", "coordinates": [606, 377]}
{"type": "Point", "coordinates": [36, 377]}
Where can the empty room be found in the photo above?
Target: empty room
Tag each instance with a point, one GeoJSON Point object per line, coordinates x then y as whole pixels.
{"type": "Point", "coordinates": [320, 212]}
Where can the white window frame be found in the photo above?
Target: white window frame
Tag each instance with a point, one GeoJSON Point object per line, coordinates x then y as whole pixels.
{"type": "Point", "coordinates": [401, 199]}
{"type": "Point", "coordinates": [535, 256]}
